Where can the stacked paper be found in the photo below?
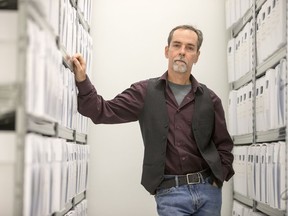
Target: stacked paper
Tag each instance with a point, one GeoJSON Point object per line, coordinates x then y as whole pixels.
{"type": "Point", "coordinates": [55, 171]}
{"type": "Point", "coordinates": [260, 172]}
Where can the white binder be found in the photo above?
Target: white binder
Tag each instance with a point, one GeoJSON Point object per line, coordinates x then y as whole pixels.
{"type": "Point", "coordinates": [249, 107]}
{"type": "Point", "coordinates": [279, 22]}
{"type": "Point", "coordinates": [270, 174]}
{"type": "Point", "coordinates": [245, 47]}
{"type": "Point", "coordinates": [279, 174]}
{"type": "Point", "coordinates": [260, 82]}
{"type": "Point", "coordinates": [281, 92]}
{"type": "Point", "coordinates": [269, 98]}
{"type": "Point", "coordinates": [231, 60]}
{"type": "Point", "coordinates": [232, 112]}
{"type": "Point", "coordinates": [263, 171]}
{"type": "Point", "coordinates": [259, 31]}
{"type": "Point", "coordinates": [250, 164]}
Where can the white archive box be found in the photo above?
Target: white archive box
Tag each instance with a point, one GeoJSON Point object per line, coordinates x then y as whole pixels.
{"type": "Point", "coordinates": [8, 46]}
{"type": "Point", "coordinates": [7, 171]}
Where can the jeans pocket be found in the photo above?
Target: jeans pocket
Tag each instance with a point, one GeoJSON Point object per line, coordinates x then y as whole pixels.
{"type": "Point", "coordinates": [211, 182]}
{"type": "Point", "coordinates": [164, 191]}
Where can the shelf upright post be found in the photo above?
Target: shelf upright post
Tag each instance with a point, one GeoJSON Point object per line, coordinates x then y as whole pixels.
{"type": "Point", "coordinates": [254, 66]}
{"type": "Point", "coordinates": [21, 115]}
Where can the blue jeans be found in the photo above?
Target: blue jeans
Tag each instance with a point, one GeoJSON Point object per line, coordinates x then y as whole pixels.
{"type": "Point", "coordinates": [201, 199]}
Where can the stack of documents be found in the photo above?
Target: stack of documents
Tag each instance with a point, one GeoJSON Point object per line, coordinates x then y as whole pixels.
{"type": "Point", "coordinates": [240, 110]}
{"type": "Point", "coordinates": [231, 60]}
{"type": "Point", "coordinates": [271, 28]}
{"type": "Point", "coordinates": [263, 165]}
{"type": "Point", "coordinates": [85, 7]}
{"type": "Point", "coordinates": [55, 171]}
{"type": "Point", "coordinates": [232, 113]}
{"type": "Point", "coordinates": [270, 103]}
{"type": "Point", "coordinates": [260, 117]}
{"type": "Point", "coordinates": [239, 53]}
{"type": "Point", "coordinates": [45, 72]}
{"type": "Point", "coordinates": [250, 171]}
{"type": "Point", "coordinates": [68, 26]}
{"type": "Point", "coordinates": [240, 167]}
{"type": "Point", "coordinates": [76, 39]}
{"type": "Point", "coordinates": [56, 95]}
{"type": "Point", "coordinates": [43, 65]}
{"type": "Point", "coordinates": [81, 123]}
{"type": "Point", "coordinates": [235, 9]}
{"type": "Point", "coordinates": [84, 45]}
{"type": "Point", "coordinates": [69, 98]}
{"type": "Point", "coordinates": [270, 98]}
{"type": "Point", "coordinates": [49, 10]}
{"type": "Point", "coordinates": [73, 36]}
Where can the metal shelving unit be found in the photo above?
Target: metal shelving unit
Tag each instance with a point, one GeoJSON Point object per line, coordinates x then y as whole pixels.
{"type": "Point", "coordinates": [271, 135]}
{"type": "Point", "coordinates": [76, 200]}
{"type": "Point", "coordinates": [13, 113]}
{"type": "Point", "coordinates": [271, 61]}
{"type": "Point", "coordinates": [245, 200]}
{"type": "Point", "coordinates": [279, 134]}
{"type": "Point", "coordinates": [243, 139]}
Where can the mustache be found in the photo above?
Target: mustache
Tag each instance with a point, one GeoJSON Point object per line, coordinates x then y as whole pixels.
{"type": "Point", "coordinates": [180, 60]}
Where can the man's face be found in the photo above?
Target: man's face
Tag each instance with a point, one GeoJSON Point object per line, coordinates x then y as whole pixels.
{"type": "Point", "coordinates": [182, 52]}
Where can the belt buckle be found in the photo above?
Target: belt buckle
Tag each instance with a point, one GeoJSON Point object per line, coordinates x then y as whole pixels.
{"type": "Point", "coordinates": [191, 174]}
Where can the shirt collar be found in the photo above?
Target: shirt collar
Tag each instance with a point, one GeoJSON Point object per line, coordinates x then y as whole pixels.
{"type": "Point", "coordinates": [195, 84]}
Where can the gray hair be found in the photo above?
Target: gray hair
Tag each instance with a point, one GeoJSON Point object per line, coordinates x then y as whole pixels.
{"type": "Point", "coordinates": [187, 27]}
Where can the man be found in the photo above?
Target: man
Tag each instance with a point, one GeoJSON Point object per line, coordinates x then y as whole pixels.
{"type": "Point", "coordinates": [187, 152]}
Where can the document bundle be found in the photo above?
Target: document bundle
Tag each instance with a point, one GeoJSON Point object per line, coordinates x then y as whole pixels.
{"type": "Point", "coordinates": [240, 110]}
{"type": "Point", "coordinates": [235, 9]}
{"type": "Point", "coordinates": [56, 95]}
{"type": "Point", "coordinates": [270, 98]}
{"type": "Point", "coordinates": [9, 39]}
{"type": "Point", "coordinates": [270, 37]}
{"type": "Point", "coordinates": [260, 172]}
{"type": "Point", "coordinates": [55, 171]}
{"type": "Point", "coordinates": [85, 8]}
{"type": "Point", "coordinates": [73, 36]}
{"type": "Point", "coordinates": [49, 10]}
{"type": "Point", "coordinates": [243, 56]}
{"type": "Point", "coordinates": [239, 53]}
{"type": "Point", "coordinates": [270, 103]}
{"type": "Point", "coordinates": [271, 28]}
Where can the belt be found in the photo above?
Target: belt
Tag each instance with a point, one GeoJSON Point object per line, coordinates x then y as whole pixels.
{"type": "Point", "coordinates": [190, 178]}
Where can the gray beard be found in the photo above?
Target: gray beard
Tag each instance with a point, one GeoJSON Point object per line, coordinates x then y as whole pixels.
{"type": "Point", "coordinates": [180, 68]}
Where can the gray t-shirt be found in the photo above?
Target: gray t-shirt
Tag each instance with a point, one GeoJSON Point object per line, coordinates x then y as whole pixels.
{"type": "Point", "coordinates": [180, 91]}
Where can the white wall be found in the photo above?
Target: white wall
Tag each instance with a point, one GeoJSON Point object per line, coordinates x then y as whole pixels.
{"type": "Point", "coordinates": [129, 38]}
